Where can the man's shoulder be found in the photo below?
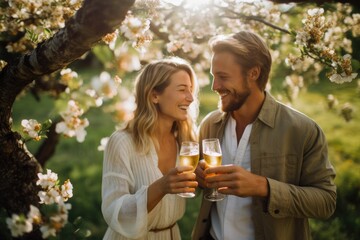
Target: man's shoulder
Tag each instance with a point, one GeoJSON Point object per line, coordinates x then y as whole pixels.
{"type": "Point", "coordinates": [275, 113]}
{"type": "Point", "coordinates": [295, 113]}
{"type": "Point", "coordinates": [291, 117]}
{"type": "Point", "coordinates": [212, 124]}
{"type": "Point", "coordinates": [275, 106]}
{"type": "Point", "coordinates": [212, 117]}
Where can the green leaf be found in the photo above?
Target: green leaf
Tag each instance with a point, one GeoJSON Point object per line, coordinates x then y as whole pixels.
{"type": "Point", "coordinates": [103, 53]}
{"type": "Point", "coordinates": [77, 221]}
{"type": "Point", "coordinates": [46, 125]}
{"type": "Point", "coordinates": [355, 64]}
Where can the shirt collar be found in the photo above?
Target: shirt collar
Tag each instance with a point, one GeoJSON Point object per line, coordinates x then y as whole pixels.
{"type": "Point", "coordinates": [268, 110]}
{"type": "Point", "coordinates": [266, 115]}
{"type": "Point", "coordinates": [221, 117]}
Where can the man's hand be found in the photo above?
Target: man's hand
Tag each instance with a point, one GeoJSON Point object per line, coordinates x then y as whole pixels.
{"type": "Point", "coordinates": [235, 180]}
{"type": "Point", "coordinates": [199, 171]}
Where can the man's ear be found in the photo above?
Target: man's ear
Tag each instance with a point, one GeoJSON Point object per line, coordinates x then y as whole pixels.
{"type": "Point", "coordinates": [254, 73]}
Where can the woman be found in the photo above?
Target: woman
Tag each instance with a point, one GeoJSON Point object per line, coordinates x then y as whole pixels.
{"type": "Point", "coordinates": [140, 180]}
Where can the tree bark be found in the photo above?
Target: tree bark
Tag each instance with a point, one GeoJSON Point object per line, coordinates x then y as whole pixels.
{"type": "Point", "coordinates": [18, 167]}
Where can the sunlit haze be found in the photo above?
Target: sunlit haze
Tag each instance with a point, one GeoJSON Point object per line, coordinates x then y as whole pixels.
{"type": "Point", "coordinates": [188, 3]}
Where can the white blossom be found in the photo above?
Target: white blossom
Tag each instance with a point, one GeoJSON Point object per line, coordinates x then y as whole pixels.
{"type": "Point", "coordinates": [67, 190]}
{"type": "Point", "coordinates": [342, 78]}
{"type": "Point", "coordinates": [49, 197]}
{"type": "Point", "coordinates": [103, 143]}
{"type": "Point", "coordinates": [104, 85]}
{"type": "Point", "coordinates": [72, 125]}
{"type": "Point", "coordinates": [47, 231]}
{"type": "Point", "coordinates": [34, 215]}
{"type": "Point", "coordinates": [31, 127]}
{"type": "Point", "coordinates": [19, 225]}
{"type": "Point", "coordinates": [315, 11]}
{"type": "Point", "coordinates": [134, 28]}
{"type": "Point", "coordinates": [47, 180]}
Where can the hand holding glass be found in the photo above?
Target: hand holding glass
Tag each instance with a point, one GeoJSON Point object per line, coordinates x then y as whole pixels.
{"type": "Point", "coordinates": [189, 156]}
{"type": "Point", "coordinates": [213, 156]}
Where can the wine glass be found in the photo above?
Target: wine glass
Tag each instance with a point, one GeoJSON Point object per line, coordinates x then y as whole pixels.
{"type": "Point", "coordinates": [213, 156]}
{"type": "Point", "coordinates": [189, 156]}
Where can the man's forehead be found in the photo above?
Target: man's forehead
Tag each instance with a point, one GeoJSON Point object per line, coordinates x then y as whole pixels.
{"type": "Point", "coordinates": [220, 61]}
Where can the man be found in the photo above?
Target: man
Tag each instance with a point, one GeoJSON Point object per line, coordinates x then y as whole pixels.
{"type": "Point", "coordinates": [275, 173]}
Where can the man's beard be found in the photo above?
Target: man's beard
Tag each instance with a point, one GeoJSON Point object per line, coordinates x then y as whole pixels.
{"type": "Point", "coordinates": [236, 101]}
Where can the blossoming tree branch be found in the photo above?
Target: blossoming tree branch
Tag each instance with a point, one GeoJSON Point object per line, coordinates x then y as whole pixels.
{"type": "Point", "coordinates": [39, 41]}
{"type": "Point", "coordinates": [25, 64]}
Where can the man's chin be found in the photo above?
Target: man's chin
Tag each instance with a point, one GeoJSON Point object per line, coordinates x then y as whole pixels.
{"type": "Point", "coordinates": [228, 108]}
{"type": "Point", "coordinates": [222, 108]}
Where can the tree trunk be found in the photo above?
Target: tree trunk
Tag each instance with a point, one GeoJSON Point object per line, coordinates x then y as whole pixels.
{"type": "Point", "coordinates": [18, 167]}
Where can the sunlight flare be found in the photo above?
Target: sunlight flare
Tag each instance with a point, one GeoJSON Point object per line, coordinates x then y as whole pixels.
{"type": "Point", "coordinates": [188, 4]}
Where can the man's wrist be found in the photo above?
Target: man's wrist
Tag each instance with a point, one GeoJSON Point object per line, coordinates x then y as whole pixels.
{"type": "Point", "coordinates": [264, 187]}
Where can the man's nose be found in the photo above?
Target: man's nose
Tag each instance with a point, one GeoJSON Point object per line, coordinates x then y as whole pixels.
{"type": "Point", "coordinates": [215, 85]}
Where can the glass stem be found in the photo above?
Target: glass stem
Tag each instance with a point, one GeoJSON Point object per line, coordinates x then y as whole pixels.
{"type": "Point", "coordinates": [215, 192]}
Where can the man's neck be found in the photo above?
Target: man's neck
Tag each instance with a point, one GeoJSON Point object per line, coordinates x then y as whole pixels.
{"type": "Point", "coordinates": [250, 110]}
{"type": "Point", "coordinates": [247, 113]}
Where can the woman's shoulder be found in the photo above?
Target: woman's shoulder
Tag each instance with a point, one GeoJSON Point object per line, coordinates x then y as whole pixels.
{"type": "Point", "coordinates": [121, 134]}
{"type": "Point", "coordinates": [120, 138]}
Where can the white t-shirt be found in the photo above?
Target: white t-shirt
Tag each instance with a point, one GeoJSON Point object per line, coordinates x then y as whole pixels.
{"type": "Point", "coordinates": [231, 218]}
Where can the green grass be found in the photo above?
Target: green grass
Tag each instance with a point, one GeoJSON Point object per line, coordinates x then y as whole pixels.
{"type": "Point", "coordinates": [82, 163]}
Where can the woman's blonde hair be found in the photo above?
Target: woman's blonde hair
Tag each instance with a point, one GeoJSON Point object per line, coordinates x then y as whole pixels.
{"type": "Point", "coordinates": [249, 49]}
{"type": "Point", "coordinates": [155, 76]}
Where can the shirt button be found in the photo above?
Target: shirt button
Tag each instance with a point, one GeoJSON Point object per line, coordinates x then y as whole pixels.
{"type": "Point", "coordinates": [277, 211]}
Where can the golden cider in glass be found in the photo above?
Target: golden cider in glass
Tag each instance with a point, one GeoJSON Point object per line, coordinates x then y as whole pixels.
{"type": "Point", "coordinates": [189, 160]}
{"type": "Point", "coordinates": [213, 159]}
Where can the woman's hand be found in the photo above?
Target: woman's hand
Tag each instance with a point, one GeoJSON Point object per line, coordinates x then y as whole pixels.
{"type": "Point", "coordinates": [177, 180]}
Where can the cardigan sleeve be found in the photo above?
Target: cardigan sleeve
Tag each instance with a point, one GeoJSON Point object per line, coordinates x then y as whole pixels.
{"type": "Point", "coordinates": [123, 211]}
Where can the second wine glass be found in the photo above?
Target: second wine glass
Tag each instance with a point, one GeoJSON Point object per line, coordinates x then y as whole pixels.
{"type": "Point", "coordinates": [213, 156]}
{"type": "Point", "coordinates": [189, 156]}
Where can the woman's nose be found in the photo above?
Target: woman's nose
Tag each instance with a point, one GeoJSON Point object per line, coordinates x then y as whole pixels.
{"type": "Point", "coordinates": [189, 97]}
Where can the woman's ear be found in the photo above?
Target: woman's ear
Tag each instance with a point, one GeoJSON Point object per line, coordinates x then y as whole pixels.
{"type": "Point", "coordinates": [155, 97]}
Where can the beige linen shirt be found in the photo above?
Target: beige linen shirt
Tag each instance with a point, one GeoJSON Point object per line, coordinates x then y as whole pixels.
{"type": "Point", "coordinates": [290, 150]}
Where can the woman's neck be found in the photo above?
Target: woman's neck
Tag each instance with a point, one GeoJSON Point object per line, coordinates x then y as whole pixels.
{"type": "Point", "coordinates": [163, 129]}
